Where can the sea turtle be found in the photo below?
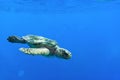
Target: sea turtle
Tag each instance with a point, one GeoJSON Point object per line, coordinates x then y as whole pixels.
{"type": "Point", "coordinates": [40, 46]}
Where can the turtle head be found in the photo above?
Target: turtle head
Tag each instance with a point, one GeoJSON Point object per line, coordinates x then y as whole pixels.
{"type": "Point", "coordinates": [63, 53]}
{"type": "Point", "coordinates": [15, 39]}
{"type": "Point", "coordinates": [12, 39]}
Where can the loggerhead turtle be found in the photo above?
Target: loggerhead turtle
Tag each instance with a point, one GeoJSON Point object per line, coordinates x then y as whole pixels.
{"type": "Point", "coordinates": [40, 46]}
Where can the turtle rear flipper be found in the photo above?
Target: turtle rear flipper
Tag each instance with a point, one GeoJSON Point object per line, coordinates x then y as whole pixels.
{"type": "Point", "coordinates": [35, 51]}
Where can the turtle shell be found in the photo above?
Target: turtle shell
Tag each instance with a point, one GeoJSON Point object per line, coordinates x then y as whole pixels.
{"type": "Point", "coordinates": [39, 41]}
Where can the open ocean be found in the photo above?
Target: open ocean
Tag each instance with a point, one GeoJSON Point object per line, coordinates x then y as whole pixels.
{"type": "Point", "coordinates": [89, 29]}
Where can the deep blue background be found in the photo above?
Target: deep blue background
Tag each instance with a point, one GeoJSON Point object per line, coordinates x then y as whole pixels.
{"type": "Point", "coordinates": [89, 29]}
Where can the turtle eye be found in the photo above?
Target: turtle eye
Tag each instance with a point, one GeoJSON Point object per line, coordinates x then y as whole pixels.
{"type": "Point", "coordinates": [65, 53]}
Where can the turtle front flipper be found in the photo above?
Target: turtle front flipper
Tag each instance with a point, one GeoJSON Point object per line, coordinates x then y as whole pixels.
{"type": "Point", "coordinates": [35, 51]}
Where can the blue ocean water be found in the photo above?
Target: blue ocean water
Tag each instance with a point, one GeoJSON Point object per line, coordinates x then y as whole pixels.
{"type": "Point", "coordinates": [90, 29]}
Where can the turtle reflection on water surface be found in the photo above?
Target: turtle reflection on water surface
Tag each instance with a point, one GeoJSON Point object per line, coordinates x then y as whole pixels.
{"type": "Point", "coordinates": [40, 46]}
